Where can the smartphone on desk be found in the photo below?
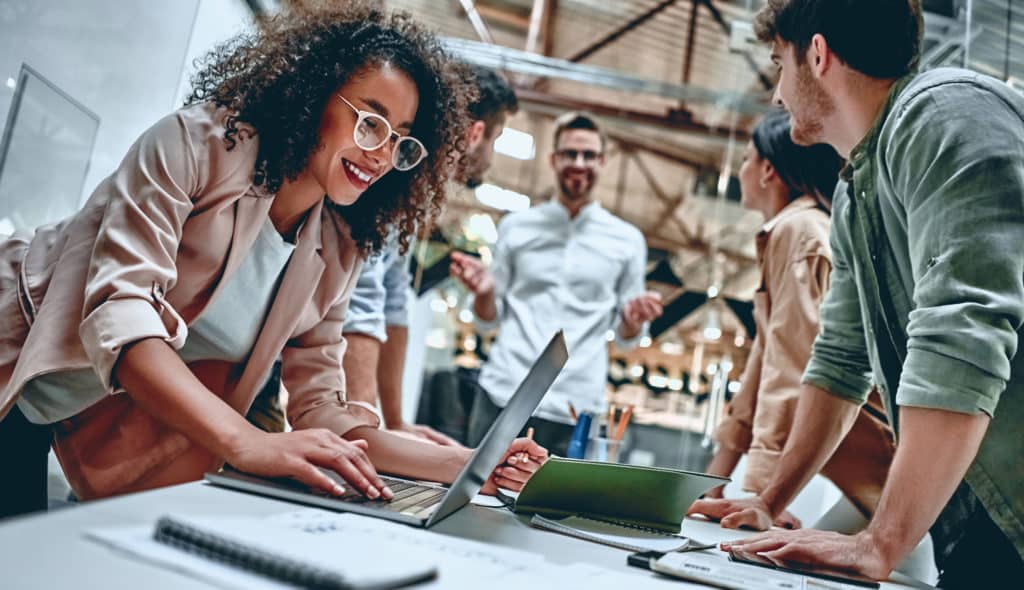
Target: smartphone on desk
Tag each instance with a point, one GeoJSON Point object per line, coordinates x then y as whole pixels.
{"type": "Point", "coordinates": [824, 573]}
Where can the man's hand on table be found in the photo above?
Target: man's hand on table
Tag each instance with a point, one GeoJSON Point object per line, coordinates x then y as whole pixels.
{"type": "Point", "coordinates": [858, 554]}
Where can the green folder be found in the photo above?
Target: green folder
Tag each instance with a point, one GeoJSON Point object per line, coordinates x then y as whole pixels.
{"type": "Point", "coordinates": [644, 497]}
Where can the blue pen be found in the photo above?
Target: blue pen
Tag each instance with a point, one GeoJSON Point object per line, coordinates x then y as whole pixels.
{"type": "Point", "coordinates": [580, 436]}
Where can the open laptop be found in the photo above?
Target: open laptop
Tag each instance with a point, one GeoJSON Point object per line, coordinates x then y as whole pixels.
{"type": "Point", "coordinates": [419, 504]}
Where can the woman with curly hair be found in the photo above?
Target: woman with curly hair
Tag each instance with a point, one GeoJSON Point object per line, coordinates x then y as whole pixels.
{"type": "Point", "coordinates": [136, 333]}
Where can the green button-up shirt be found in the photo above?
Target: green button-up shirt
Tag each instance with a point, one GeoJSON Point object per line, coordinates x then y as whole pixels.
{"type": "Point", "coordinates": [927, 294]}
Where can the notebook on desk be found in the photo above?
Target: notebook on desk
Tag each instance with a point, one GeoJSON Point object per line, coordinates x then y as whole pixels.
{"type": "Point", "coordinates": [650, 498]}
{"type": "Point", "coordinates": [415, 503]}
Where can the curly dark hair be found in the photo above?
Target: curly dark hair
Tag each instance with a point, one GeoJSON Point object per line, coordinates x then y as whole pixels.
{"type": "Point", "coordinates": [278, 81]}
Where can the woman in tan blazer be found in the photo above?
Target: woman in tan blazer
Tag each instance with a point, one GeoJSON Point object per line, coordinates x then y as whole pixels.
{"type": "Point", "coordinates": [135, 334]}
{"type": "Point", "coordinates": [792, 187]}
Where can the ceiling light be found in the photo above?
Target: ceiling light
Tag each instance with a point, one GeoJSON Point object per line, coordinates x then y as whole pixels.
{"type": "Point", "coordinates": [712, 327]}
{"type": "Point", "coordinates": [500, 198]}
{"type": "Point", "coordinates": [515, 144]}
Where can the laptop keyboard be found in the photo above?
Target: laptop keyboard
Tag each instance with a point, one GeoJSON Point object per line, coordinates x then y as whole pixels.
{"type": "Point", "coordinates": [411, 499]}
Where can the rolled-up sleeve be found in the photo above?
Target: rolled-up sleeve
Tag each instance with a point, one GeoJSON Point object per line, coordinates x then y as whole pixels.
{"type": "Point", "coordinates": [366, 308]}
{"type": "Point", "coordinates": [735, 431]}
{"type": "Point", "coordinates": [629, 285]}
{"type": "Point", "coordinates": [961, 183]}
{"type": "Point", "coordinates": [839, 362]}
{"type": "Point", "coordinates": [501, 271]}
{"type": "Point", "coordinates": [396, 291]}
{"type": "Point", "coordinates": [133, 260]}
{"type": "Point", "coordinates": [312, 372]}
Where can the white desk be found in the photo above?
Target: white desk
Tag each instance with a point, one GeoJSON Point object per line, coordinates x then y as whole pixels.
{"type": "Point", "coordinates": [49, 550]}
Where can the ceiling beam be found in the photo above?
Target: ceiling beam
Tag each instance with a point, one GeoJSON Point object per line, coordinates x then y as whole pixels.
{"type": "Point", "coordinates": [691, 39]}
{"type": "Point", "coordinates": [717, 16]}
{"type": "Point", "coordinates": [659, 148]}
{"type": "Point", "coordinates": [538, 20]}
{"type": "Point", "coordinates": [675, 120]}
{"type": "Point", "coordinates": [619, 32]}
{"type": "Point", "coordinates": [496, 15]}
{"type": "Point", "coordinates": [620, 188]}
{"type": "Point", "coordinates": [477, 21]}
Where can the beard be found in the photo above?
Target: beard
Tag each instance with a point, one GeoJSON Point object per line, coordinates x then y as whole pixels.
{"type": "Point", "coordinates": [808, 112]}
{"type": "Point", "coordinates": [475, 163]}
{"type": "Point", "coordinates": [575, 188]}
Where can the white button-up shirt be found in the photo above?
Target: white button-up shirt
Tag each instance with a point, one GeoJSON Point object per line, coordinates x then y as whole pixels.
{"type": "Point", "coordinates": [552, 272]}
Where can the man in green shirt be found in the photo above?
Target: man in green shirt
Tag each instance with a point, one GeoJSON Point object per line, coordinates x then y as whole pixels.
{"type": "Point", "coordinates": [926, 299]}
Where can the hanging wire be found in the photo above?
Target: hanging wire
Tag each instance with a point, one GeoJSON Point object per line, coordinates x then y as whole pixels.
{"type": "Point", "coordinates": [1006, 57]}
{"type": "Point", "coordinates": [967, 33]}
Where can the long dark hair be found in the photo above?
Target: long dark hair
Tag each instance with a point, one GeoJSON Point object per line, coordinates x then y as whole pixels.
{"type": "Point", "coordinates": [278, 81]}
{"type": "Point", "coordinates": [806, 170]}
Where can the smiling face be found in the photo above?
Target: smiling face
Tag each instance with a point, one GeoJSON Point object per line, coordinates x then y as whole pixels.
{"type": "Point", "coordinates": [342, 169]}
{"type": "Point", "coordinates": [802, 95]}
{"type": "Point", "coordinates": [578, 161]}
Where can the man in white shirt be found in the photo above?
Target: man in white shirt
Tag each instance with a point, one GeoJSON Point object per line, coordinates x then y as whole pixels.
{"type": "Point", "coordinates": [564, 264]}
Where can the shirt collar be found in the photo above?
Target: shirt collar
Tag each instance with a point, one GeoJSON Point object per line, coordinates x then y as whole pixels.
{"type": "Point", "coordinates": [867, 145]}
{"type": "Point", "coordinates": [796, 205]}
{"type": "Point", "coordinates": [586, 212]}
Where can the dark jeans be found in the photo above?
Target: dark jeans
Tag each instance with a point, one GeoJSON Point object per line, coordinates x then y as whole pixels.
{"type": "Point", "coordinates": [24, 447]}
{"type": "Point", "coordinates": [554, 436]}
{"type": "Point", "coordinates": [969, 547]}
{"type": "Point", "coordinates": [447, 400]}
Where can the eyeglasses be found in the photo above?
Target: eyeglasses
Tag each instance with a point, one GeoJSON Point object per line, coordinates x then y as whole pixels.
{"type": "Point", "coordinates": [569, 156]}
{"type": "Point", "coordinates": [372, 131]}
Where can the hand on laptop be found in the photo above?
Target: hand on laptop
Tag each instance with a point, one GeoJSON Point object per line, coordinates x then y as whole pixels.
{"type": "Point", "coordinates": [298, 454]}
{"type": "Point", "coordinates": [520, 462]}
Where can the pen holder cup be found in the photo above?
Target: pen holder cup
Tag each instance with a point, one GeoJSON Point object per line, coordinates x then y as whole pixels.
{"type": "Point", "coordinates": [603, 449]}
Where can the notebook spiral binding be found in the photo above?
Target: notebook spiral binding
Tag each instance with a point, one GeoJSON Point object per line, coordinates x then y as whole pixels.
{"type": "Point", "coordinates": [192, 540]}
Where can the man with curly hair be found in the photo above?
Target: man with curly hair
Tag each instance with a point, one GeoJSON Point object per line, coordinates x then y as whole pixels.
{"type": "Point", "coordinates": [137, 332]}
{"type": "Point", "coordinates": [926, 298]}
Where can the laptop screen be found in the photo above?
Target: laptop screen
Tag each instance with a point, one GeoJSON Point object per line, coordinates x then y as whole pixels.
{"type": "Point", "coordinates": [505, 428]}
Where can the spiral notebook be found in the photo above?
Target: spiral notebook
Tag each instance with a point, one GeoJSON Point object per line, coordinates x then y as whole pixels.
{"type": "Point", "coordinates": [294, 557]}
{"type": "Point", "coordinates": [630, 538]}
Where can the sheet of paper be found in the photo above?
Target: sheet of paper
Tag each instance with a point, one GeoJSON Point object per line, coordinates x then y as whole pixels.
{"type": "Point", "coordinates": [487, 501]}
{"type": "Point", "coordinates": [332, 536]}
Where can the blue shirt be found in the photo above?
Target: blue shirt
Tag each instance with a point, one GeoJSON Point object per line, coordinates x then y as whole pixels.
{"type": "Point", "coordinates": [381, 296]}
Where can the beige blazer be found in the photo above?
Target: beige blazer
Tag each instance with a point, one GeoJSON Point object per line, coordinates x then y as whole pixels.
{"type": "Point", "coordinates": [796, 260]}
{"type": "Point", "coordinates": [148, 251]}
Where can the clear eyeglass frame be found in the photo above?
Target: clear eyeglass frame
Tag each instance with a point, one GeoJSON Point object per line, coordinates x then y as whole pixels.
{"type": "Point", "coordinates": [372, 131]}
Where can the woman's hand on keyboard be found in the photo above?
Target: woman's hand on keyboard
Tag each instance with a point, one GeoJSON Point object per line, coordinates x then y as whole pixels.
{"type": "Point", "coordinates": [300, 454]}
{"type": "Point", "coordinates": [520, 462]}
